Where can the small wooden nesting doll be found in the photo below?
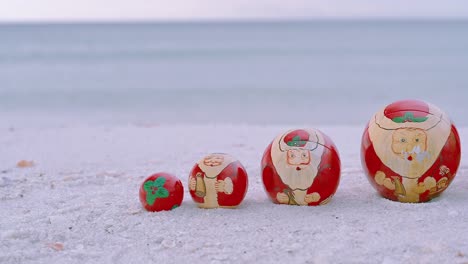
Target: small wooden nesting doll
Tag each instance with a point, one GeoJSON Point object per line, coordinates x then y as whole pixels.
{"type": "Point", "coordinates": [218, 180]}
{"type": "Point", "coordinates": [161, 191]}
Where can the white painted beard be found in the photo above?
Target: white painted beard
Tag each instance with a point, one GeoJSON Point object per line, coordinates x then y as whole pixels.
{"type": "Point", "coordinates": [420, 155]}
{"type": "Point", "coordinates": [212, 172]}
{"type": "Point", "coordinates": [297, 179]}
{"type": "Point", "coordinates": [414, 168]}
{"type": "Point", "coordinates": [399, 163]}
{"type": "Point", "coordinates": [299, 197]}
{"type": "Point", "coordinates": [211, 198]}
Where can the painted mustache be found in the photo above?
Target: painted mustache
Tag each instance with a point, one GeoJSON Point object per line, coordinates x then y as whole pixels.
{"type": "Point", "coordinates": [212, 163]}
{"type": "Point", "coordinates": [415, 154]}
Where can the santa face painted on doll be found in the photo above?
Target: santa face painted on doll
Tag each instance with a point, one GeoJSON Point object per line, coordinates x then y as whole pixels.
{"type": "Point", "coordinates": [301, 167]}
{"type": "Point", "coordinates": [218, 180]}
{"type": "Point", "coordinates": [410, 151]}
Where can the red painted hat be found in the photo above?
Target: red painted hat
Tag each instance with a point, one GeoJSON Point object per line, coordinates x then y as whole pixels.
{"type": "Point", "coordinates": [299, 138]}
{"type": "Point", "coordinates": [409, 113]}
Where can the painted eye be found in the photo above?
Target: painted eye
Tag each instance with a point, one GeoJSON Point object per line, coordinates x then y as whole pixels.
{"type": "Point", "coordinates": [304, 155]}
{"type": "Point", "coordinates": [403, 140]}
{"type": "Point", "coordinates": [417, 140]}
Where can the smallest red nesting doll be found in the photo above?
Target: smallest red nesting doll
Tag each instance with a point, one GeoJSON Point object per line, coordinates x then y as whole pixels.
{"type": "Point", "coordinates": [161, 192]}
{"type": "Point", "coordinates": [218, 180]}
{"type": "Point", "coordinates": [301, 167]}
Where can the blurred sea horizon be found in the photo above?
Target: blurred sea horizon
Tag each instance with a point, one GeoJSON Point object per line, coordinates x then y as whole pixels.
{"type": "Point", "coordinates": [317, 72]}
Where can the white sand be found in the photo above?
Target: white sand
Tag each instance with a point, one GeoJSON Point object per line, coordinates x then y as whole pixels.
{"type": "Point", "coordinates": [83, 194]}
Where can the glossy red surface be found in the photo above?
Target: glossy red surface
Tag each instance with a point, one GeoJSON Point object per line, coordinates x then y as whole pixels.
{"type": "Point", "coordinates": [161, 192]}
{"type": "Point", "coordinates": [218, 180]}
{"type": "Point", "coordinates": [399, 108]}
{"type": "Point", "coordinates": [324, 177]}
{"type": "Point", "coordinates": [398, 173]}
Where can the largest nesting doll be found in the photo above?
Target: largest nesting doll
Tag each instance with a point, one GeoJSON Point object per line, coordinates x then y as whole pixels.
{"type": "Point", "coordinates": [410, 151]}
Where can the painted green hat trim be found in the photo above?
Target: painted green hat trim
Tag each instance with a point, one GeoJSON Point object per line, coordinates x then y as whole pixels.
{"type": "Point", "coordinates": [409, 117]}
{"type": "Point", "coordinates": [296, 142]}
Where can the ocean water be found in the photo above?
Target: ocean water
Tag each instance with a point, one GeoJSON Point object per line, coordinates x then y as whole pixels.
{"type": "Point", "coordinates": [318, 73]}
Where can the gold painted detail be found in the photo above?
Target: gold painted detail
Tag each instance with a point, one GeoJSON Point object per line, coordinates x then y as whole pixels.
{"type": "Point", "coordinates": [200, 187]}
{"type": "Point", "coordinates": [409, 190]}
{"type": "Point", "coordinates": [326, 200]}
{"type": "Point", "coordinates": [297, 197]}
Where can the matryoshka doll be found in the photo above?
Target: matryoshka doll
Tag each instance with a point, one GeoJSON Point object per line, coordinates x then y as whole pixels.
{"type": "Point", "coordinates": [218, 180]}
{"type": "Point", "coordinates": [161, 191]}
{"type": "Point", "coordinates": [301, 167]}
{"type": "Point", "coordinates": [410, 151]}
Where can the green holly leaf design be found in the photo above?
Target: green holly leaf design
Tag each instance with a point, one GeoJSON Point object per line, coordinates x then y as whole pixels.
{"type": "Point", "coordinates": [150, 198]}
{"type": "Point", "coordinates": [409, 117]}
{"type": "Point", "coordinates": [162, 192]}
{"type": "Point", "coordinates": [419, 119]}
{"type": "Point", "coordinates": [159, 182]}
{"type": "Point", "coordinates": [175, 206]}
{"type": "Point", "coordinates": [154, 189]}
{"type": "Point", "coordinates": [296, 141]}
{"type": "Point", "coordinates": [147, 186]}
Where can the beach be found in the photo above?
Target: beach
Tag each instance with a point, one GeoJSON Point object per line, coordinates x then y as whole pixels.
{"type": "Point", "coordinates": [89, 110]}
{"type": "Point", "coordinates": [79, 202]}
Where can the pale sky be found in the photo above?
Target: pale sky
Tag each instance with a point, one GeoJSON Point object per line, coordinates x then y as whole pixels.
{"type": "Point", "coordinates": [102, 10]}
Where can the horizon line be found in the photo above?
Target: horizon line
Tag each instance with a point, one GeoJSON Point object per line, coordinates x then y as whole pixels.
{"type": "Point", "coordinates": [233, 21]}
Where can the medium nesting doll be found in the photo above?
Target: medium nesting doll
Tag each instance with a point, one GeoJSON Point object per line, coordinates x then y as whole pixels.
{"type": "Point", "coordinates": [301, 167]}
